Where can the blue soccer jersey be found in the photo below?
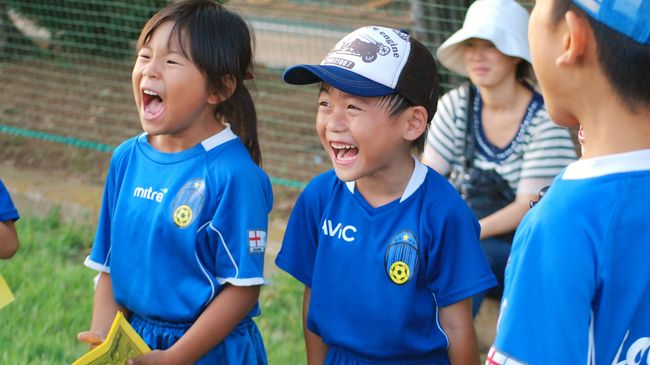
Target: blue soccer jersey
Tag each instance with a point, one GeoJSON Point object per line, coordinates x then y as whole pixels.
{"type": "Point", "coordinates": [578, 280]}
{"type": "Point", "coordinates": [175, 227]}
{"type": "Point", "coordinates": [379, 275]}
{"type": "Point", "coordinates": [8, 211]}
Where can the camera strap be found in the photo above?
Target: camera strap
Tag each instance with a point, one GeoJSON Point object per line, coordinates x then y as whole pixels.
{"type": "Point", "coordinates": [470, 144]}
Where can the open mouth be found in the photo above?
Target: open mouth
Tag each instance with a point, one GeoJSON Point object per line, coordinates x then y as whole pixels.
{"type": "Point", "coordinates": [344, 152]}
{"type": "Point", "coordinates": [152, 104]}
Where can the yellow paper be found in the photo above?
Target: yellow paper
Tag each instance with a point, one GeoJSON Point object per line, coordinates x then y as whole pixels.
{"type": "Point", "coordinates": [6, 296]}
{"type": "Point", "coordinates": [121, 344]}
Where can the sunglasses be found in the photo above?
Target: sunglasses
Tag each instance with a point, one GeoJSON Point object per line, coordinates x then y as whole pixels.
{"type": "Point", "coordinates": [542, 191]}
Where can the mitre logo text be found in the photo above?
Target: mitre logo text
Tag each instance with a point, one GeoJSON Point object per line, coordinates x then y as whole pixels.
{"type": "Point", "coordinates": [149, 194]}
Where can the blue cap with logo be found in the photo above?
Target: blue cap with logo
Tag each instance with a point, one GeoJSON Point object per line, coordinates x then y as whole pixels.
{"type": "Point", "coordinates": [629, 17]}
{"type": "Point", "coordinates": [376, 61]}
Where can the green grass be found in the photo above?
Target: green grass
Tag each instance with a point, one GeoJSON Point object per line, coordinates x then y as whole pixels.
{"type": "Point", "coordinates": [54, 292]}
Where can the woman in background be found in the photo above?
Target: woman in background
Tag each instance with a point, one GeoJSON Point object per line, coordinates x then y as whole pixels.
{"type": "Point", "coordinates": [492, 136]}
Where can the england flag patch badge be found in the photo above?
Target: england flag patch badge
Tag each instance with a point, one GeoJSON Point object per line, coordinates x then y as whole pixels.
{"type": "Point", "coordinates": [256, 241]}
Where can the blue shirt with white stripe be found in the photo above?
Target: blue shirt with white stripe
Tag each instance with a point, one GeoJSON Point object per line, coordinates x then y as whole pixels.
{"type": "Point", "coordinates": [378, 276]}
{"type": "Point", "coordinates": [175, 227]}
{"type": "Point", "coordinates": [577, 286]}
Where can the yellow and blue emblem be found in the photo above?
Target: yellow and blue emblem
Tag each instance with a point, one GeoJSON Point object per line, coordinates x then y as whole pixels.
{"type": "Point", "coordinates": [188, 203]}
{"type": "Point", "coordinates": [402, 257]}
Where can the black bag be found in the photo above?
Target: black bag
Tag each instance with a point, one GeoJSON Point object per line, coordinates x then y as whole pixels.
{"type": "Point", "coordinates": [484, 191]}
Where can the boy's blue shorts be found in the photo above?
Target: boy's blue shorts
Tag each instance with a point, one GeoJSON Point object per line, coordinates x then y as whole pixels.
{"type": "Point", "coordinates": [243, 346]}
{"type": "Point", "coordinates": [340, 356]}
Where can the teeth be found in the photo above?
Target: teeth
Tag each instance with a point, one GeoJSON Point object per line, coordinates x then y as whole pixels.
{"type": "Point", "coordinates": [149, 92]}
{"type": "Point", "coordinates": [340, 146]}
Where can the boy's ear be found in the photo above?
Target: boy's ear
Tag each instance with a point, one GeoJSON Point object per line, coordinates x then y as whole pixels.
{"type": "Point", "coordinates": [229, 84]}
{"type": "Point", "coordinates": [574, 42]}
{"type": "Point", "coordinates": [416, 122]}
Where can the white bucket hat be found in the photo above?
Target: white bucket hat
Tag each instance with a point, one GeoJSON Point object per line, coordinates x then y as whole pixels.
{"type": "Point", "coordinates": [502, 22]}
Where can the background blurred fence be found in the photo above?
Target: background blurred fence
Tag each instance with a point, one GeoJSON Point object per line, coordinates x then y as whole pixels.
{"type": "Point", "coordinates": [65, 67]}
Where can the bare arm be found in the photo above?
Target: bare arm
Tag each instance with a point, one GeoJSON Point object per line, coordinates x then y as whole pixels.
{"type": "Point", "coordinates": [456, 320]}
{"type": "Point", "coordinates": [316, 348]}
{"type": "Point", "coordinates": [8, 239]}
{"type": "Point", "coordinates": [433, 159]}
{"type": "Point", "coordinates": [104, 311]}
{"type": "Point", "coordinates": [507, 218]}
{"type": "Point", "coordinates": [216, 322]}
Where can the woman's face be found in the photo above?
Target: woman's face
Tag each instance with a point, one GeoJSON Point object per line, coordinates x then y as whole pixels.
{"type": "Point", "coordinates": [486, 65]}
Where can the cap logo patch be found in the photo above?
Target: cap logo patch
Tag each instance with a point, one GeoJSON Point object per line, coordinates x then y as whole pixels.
{"type": "Point", "coordinates": [362, 46]}
{"type": "Point", "coordinates": [341, 62]}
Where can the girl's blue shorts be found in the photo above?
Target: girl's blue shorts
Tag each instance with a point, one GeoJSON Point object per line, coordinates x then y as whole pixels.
{"type": "Point", "coordinates": [243, 346]}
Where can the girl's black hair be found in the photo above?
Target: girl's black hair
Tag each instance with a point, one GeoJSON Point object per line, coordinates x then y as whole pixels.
{"type": "Point", "coordinates": [221, 46]}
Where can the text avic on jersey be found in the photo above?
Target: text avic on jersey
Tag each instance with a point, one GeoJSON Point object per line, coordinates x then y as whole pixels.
{"type": "Point", "coordinates": [339, 231]}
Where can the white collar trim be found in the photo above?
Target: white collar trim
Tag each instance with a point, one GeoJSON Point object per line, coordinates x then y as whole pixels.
{"type": "Point", "coordinates": [220, 138]}
{"type": "Point", "coordinates": [607, 165]}
{"type": "Point", "coordinates": [417, 179]}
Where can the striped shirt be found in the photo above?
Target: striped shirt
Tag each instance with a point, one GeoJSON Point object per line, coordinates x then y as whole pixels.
{"type": "Point", "coordinates": [537, 153]}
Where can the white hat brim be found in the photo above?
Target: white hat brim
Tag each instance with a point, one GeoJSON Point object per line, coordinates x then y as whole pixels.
{"type": "Point", "coordinates": [450, 53]}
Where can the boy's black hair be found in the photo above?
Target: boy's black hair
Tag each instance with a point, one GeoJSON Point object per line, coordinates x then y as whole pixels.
{"type": "Point", "coordinates": [625, 62]}
{"type": "Point", "coordinates": [394, 105]}
{"type": "Point", "coordinates": [220, 45]}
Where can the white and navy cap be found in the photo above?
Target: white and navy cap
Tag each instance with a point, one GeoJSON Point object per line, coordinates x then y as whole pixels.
{"type": "Point", "coordinates": [629, 17]}
{"type": "Point", "coordinates": [376, 61]}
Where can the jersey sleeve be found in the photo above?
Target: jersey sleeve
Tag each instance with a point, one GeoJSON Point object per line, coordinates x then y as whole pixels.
{"type": "Point", "coordinates": [100, 254]}
{"type": "Point", "coordinates": [299, 246]}
{"type": "Point", "coordinates": [8, 211]}
{"type": "Point", "coordinates": [549, 150]}
{"type": "Point", "coordinates": [239, 228]}
{"type": "Point", "coordinates": [456, 266]}
{"type": "Point", "coordinates": [545, 311]}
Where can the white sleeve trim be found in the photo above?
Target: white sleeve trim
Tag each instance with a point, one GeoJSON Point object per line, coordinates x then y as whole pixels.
{"type": "Point", "coordinates": [96, 266]}
{"type": "Point", "coordinates": [242, 282]}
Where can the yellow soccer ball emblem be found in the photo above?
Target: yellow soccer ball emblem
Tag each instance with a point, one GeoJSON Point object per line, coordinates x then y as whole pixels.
{"type": "Point", "coordinates": [399, 272]}
{"type": "Point", "coordinates": [183, 215]}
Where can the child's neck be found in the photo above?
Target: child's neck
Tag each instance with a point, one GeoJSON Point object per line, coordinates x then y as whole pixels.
{"type": "Point", "coordinates": [187, 138]}
{"type": "Point", "coordinates": [388, 184]}
{"type": "Point", "coordinates": [611, 128]}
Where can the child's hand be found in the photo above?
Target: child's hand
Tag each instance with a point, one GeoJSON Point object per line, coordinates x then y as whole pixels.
{"type": "Point", "coordinates": [155, 357]}
{"type": "Point", "coordinates": [92, 338]}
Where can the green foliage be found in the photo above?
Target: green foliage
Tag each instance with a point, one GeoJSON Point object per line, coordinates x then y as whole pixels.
{"type": "Point", "coordinates": [281, 319]}
{"type": "Point", "coordinates": [54, 294]}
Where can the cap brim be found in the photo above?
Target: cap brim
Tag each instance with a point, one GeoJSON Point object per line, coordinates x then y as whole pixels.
{"type": "Point", "coordinates": [340, 78]}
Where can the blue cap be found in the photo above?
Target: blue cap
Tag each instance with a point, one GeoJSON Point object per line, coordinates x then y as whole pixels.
{"type": "Point", "coordinates": [342, 79]}
{"type": "Point", "coordinates": [376, 61]}
{"type": "Point", "coordinates": [629, 17]}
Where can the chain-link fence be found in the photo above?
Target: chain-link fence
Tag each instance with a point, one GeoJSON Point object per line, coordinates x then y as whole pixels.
{"type": "Point", "coordinates": [65, 67]}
